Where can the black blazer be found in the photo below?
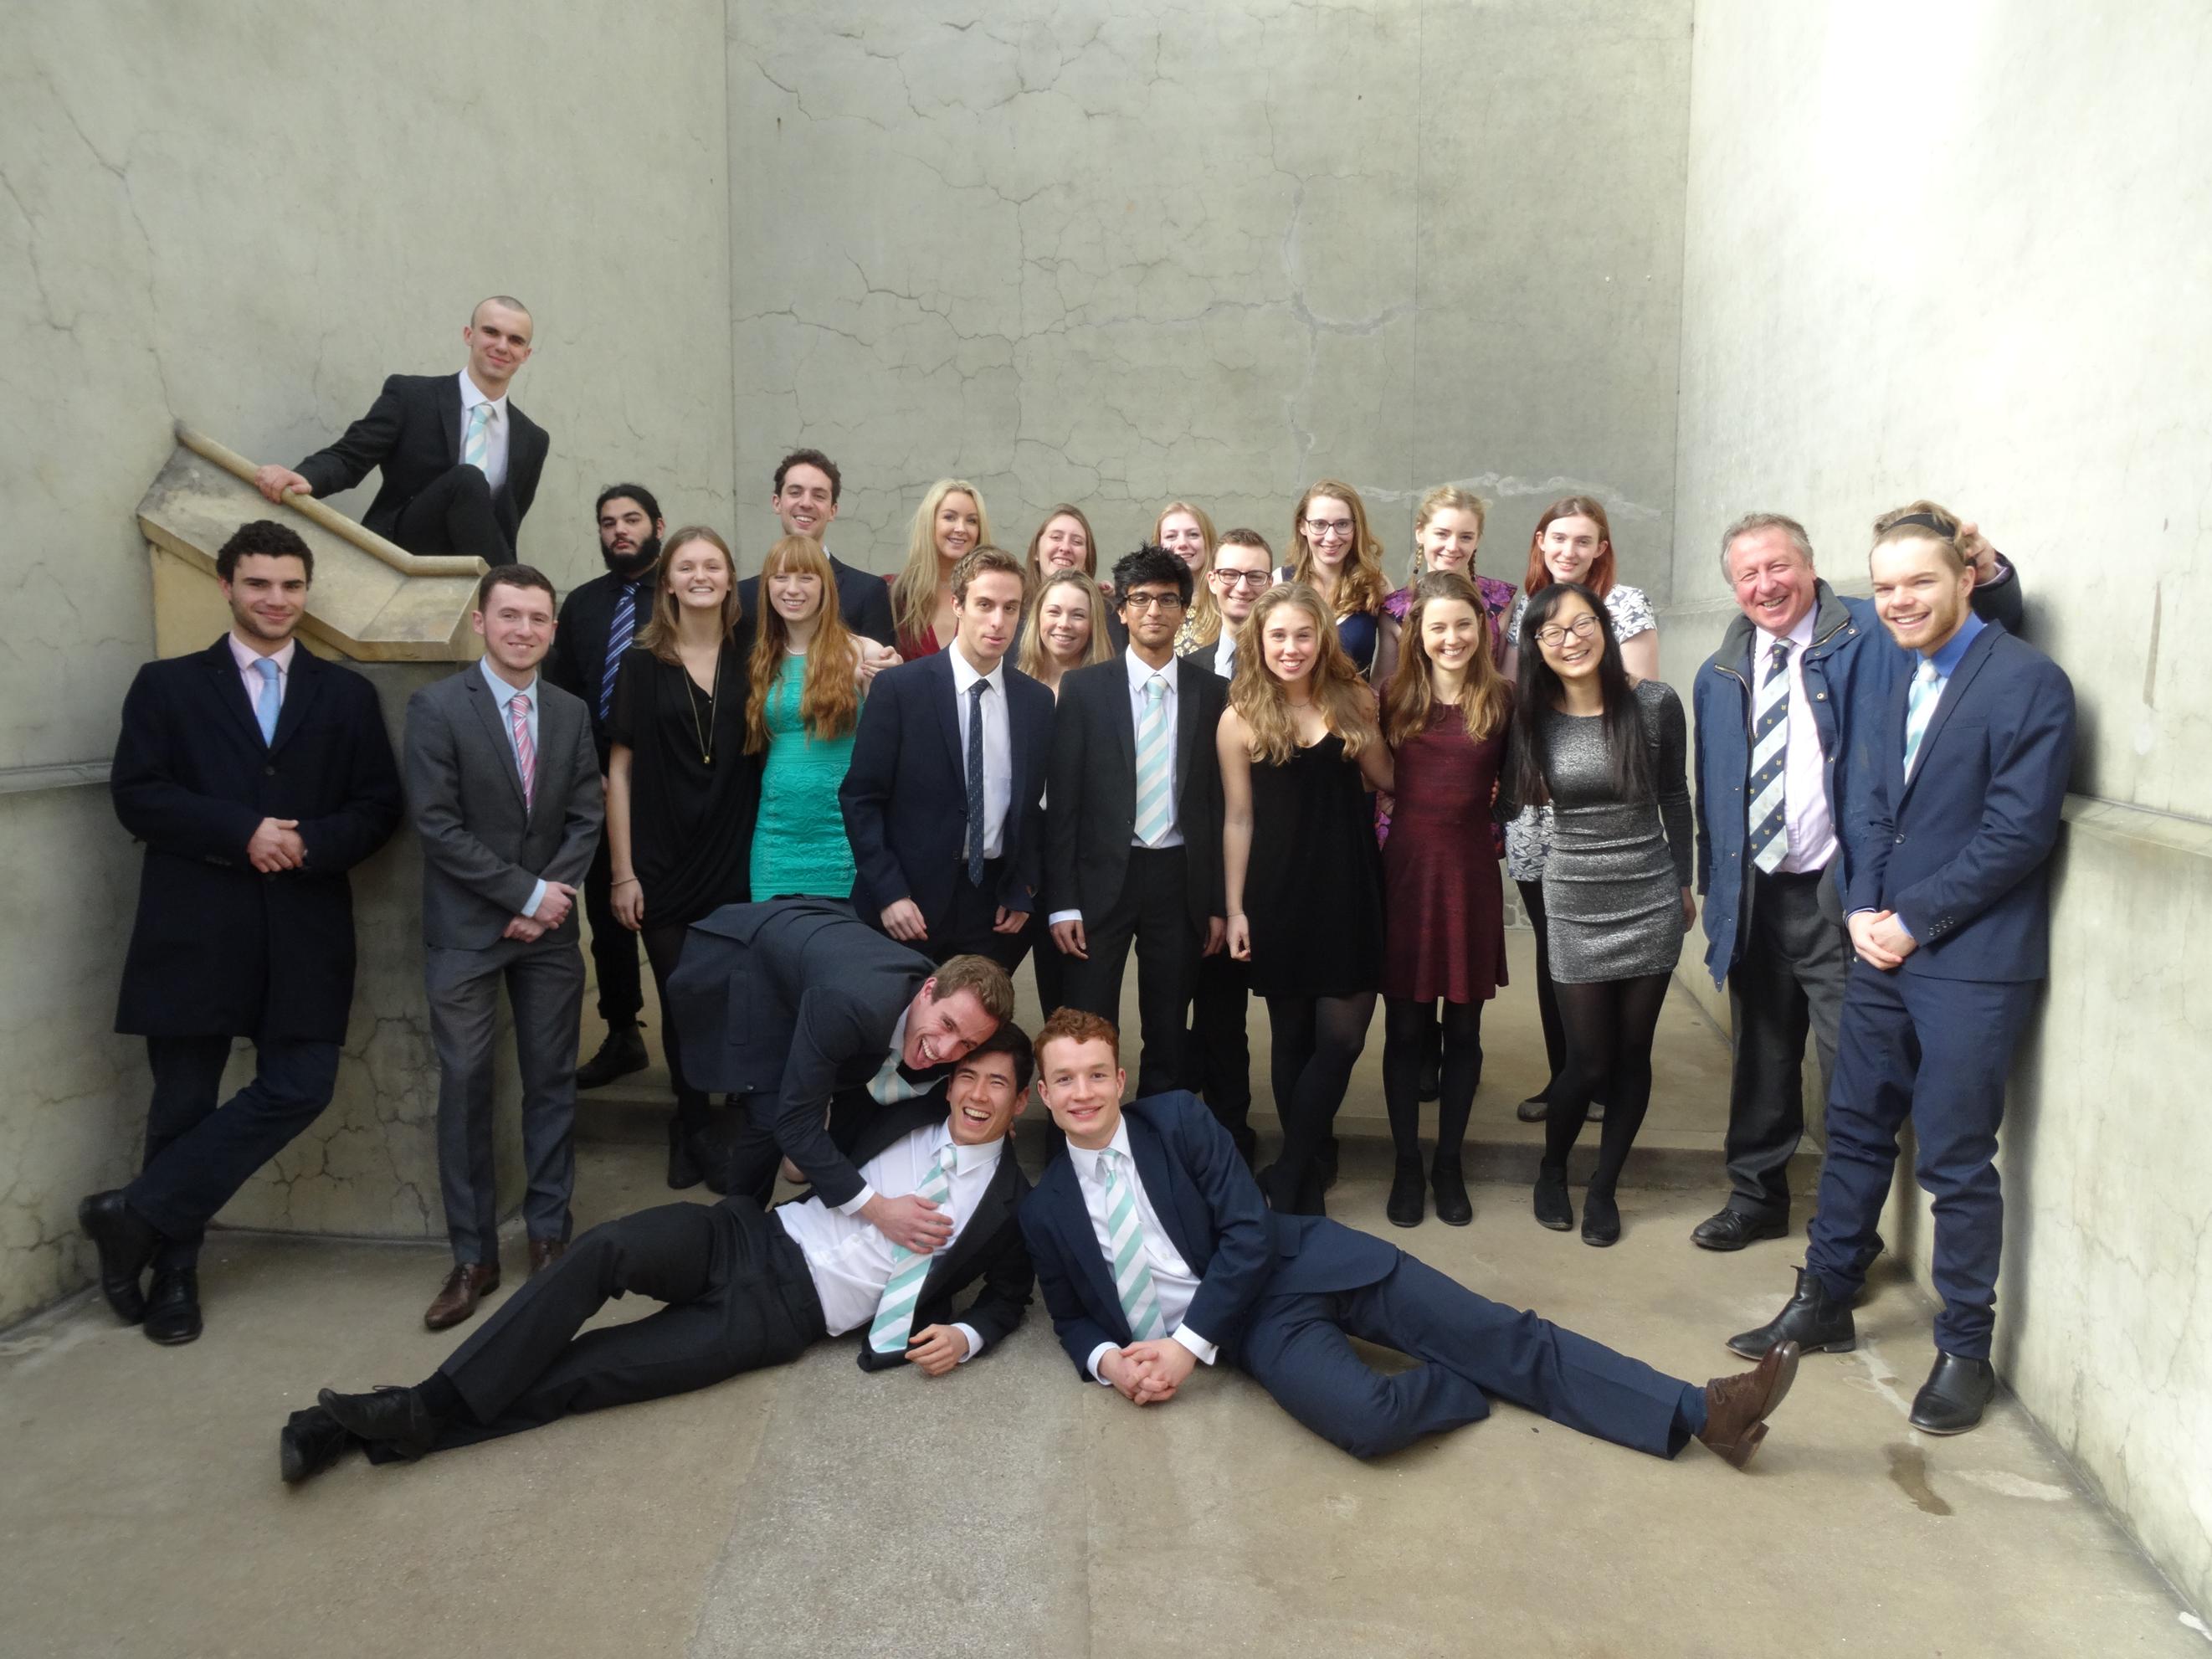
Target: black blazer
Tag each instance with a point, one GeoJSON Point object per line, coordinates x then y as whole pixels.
{"type": "Point", "coordinates": [578, 661]}
{"type": "Point", "coordinates": [413, 432]}
{"type": "Point", "coordinates": [905, 796]}
{"type": "Point", "coordinates": [864, 600]}
{"type": "Point", "coordinates": [1208, 657]}
{"type": "Point", "coordinates": [990, 1248]}
{"type": "Point", "coordinates": [219, 949]}
{"type": "Point", "coordinates": [1093, 787]}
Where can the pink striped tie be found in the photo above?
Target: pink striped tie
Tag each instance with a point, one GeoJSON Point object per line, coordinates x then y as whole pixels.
{"type": "Point", "coordinates": [526, 752]}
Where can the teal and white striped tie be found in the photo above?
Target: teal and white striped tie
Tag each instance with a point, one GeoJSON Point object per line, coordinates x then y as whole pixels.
{"type": "Point", "coordinates": [1125, 1235]}
{"type": "Point", "coordinates": [889, 1085]}
{"type": "Point", "coordinates": [1154, 811]}
{"type": "Point", "coordinates": [476, 447]}
{"type": "Point", "coordinates": [894, 1320]}
{"type": "Point", "coordinates": [1919, 709]}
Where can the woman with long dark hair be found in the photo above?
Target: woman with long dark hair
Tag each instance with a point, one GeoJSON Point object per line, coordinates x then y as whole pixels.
{"type": "Point", "coordinates": [1608, 754]}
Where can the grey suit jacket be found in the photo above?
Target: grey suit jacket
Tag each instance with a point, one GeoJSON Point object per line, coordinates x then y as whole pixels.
{"type": "Point", "coordinates": [483, 850]}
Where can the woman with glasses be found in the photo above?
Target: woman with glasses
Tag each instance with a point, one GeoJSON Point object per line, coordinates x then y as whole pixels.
{"type": "Point", "coordinates": [1572, 543]}
{"type": "Point", "coordinates": [1187, 532]}
{"type": "Point", "coordinates": [951, 521]}
{"type": "Point", "coordinates": [1607, 751]}
{"type": "Point", "coordinates": [1333, 553]}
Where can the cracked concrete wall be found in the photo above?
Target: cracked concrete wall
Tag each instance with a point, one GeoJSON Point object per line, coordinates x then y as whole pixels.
{"type": "Point", "coordinates": [1960, 252]}
{"type": "Point", "coordinates": [245, 217]}
{"type": "Point", "coordinates": [1116, 251]}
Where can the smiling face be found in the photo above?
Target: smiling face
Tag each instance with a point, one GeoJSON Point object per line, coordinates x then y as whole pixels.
{"type": "Point", "coordinates": [1062, 546]}
{"type": "Point", "coordinates": [1064, 622]}
{"type": "Point", "coordinates": [1240, 576]}
{"type": "Point", "coordinates": [1290, 644]}
{"type": "Point", "coordinates": [1448, 541]}
{"type": "Point", "coordinates": [941, 1029]}
{"type": "Point", "coordinates": [1571, 638]}
{"type": "Point", "coordinates": [795, 594]}
{"type": "Point", "coordinates": [1181, 535]}
{"type": "Point", "coordinates": [498, 339]}
{"type": "Point", "coordinates": [1080, 1083]}
{"type": "Point", "coordinates": [517, 626]}
{"type": "Point", "coordinates": [957, 526]}
{"type": "Point", "coordinates": [698, 575]}
{"type": "Point", "coordinates": [1570, 547]}
{"type": "Point", "coordinates": [806, 503]}
{"type": "Point", "coordinates": [1328, 527]}
{"type": "Point", "coordinates": [1773, 581]}
{"type": "Point", "coordinates": [267, 593]}
{"type": "Point", "coordinates": [1151, 612]}
{"type": "Point", "coordinates": [984, 1098]}
{"type": "Point", "coordinates": [1920, 593]}
{"type": "Point", "coordinates": [1451, 633]}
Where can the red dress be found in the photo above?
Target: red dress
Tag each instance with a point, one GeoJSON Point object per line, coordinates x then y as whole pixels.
{"type": "Point", "coordinates": [1441, 891]}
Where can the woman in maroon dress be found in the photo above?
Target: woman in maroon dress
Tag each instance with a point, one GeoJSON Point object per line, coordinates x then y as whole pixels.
{"type": "Point", "coordinates": [1445, 713]}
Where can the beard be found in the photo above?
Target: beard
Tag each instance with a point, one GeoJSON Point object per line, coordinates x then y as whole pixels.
{"type": "Point", "coordinates": [630, 566]}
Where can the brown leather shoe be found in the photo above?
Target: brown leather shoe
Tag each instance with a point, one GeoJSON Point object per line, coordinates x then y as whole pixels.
{"type": "Point", "coordinates": [463, 1286]}
{"type": "Point", "coordinates": [544, 1252]}
{"type": "Point", "coordinates": [1737, 1408]}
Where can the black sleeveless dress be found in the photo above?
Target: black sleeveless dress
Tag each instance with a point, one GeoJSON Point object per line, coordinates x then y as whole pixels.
{"type": "Point", "coordinates": [1313, 892]}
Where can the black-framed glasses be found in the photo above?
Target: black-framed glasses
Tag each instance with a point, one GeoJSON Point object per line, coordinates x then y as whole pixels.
{"type": "Point", "coordinates": [1327, 530]}
{"type": "Point", "coordinates": [1255, 579]}
{"type": "Point", "coordinates": [1153, 602]}
{"type": "Point", "coordinates": [1583, 626]}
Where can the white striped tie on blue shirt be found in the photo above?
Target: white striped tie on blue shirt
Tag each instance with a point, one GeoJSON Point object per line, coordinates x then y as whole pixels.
{"type": "Point", "coordinates": [1920, 709]}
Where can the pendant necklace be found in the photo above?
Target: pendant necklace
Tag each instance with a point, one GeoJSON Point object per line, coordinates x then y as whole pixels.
{"type": "Point", "coordinates": [704, 730]}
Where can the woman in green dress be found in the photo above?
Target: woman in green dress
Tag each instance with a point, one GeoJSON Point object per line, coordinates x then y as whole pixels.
{"type": "Point", "coordinates": [807, 672]}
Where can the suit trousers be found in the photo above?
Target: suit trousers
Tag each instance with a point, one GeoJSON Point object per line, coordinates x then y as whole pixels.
{"type": "Point", "coordinates": [1787, 980]}
{"type": "Point", "coordinates": [965, 928]}
{"type": "Point", "coordinates": [1219, 1053]}
{"type": "Point", "coordinates": [1936, 1051]}
{"type": "Point", "coordinates": [453, 514]}
{"type": "Point", "coordinates": [740, 1298]}
{"type": "Point", "coordinates": [614, 947]}
{"type": "Point", "coordinates": [1153, 908]}
{"type": "Point", "coordinates": [199, 1153]}
{"type": "Point", "coordinates": [1299, 1349]}
{"type": "Point", "coordinates": [545, 986]}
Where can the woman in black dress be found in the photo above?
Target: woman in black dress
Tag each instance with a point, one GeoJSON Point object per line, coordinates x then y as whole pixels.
{"type": "Point", "coordinates": [682, 792]}
{"type": "Point", "coordinates": [1299, 751]}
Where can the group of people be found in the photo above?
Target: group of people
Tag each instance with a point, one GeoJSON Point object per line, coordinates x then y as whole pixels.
{"type": "Point", "coordinates": [838, 812]}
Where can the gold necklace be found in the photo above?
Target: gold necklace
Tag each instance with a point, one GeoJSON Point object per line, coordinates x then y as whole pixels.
{"type": "Point", "coordinates": [704, 730]}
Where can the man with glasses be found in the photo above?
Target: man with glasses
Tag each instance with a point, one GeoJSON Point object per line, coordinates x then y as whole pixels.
{"type": "Point", "coordinates": [1133, 844]}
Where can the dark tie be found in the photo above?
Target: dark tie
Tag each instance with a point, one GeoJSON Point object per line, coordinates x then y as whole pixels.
{"type": "Point", "coordinates": [975, 780]}
{"type": "Point", "coordinates": [618, 638]}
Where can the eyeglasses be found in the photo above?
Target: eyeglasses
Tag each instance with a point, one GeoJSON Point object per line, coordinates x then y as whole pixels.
{"type": "Point", "coordinates": [1153, 602]}
{"type": "Point", "coordinates": [1255, 579]}
{"type": "Point", "coordinates": [1327, 530]}
{"type": "Point", "coordinates": [1583, 626]}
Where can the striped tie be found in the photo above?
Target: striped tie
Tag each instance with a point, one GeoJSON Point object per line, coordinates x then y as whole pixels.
{"type": "Point", "coordinates": [1155, 810]}
{"type": "Point", "coordinates": [476, 447]}
{"type": "Point", "coordinates": [1770, 746]}
{"type": "Point", "coordinates": [1125, 1234]}
{"type": "Point", "coordinates": [889, 1085]}
{"type": "Point", "coordinates": [619, 632]}
{"type": "Point", "coordinates": [526, 752]}
{"type": "Point", "coordinates": [895, 1312]}
{"type": "Point", "coordinates": [1919, 709]}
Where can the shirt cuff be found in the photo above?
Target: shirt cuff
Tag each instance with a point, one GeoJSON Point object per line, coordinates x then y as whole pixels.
{"type": "Point", "coordinates": [852, 1205]}
{"type": "Point", "coordinates": [975, 1342]}
{"type": "Point", "coordinates": [537, 898]}
{"type": "Point", "coordinates": [1201, 1350]}
{"type": "Point", "coordinates": [1098, 1354]}
{"type": "Point", "coordinates": [1902, 928]}
{"type": "Point", "coordinates": [1059, 916]}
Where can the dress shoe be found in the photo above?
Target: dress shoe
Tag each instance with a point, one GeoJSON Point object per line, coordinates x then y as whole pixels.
{"type": "Point", "coordinates": [1554, 1209]}
{"type": "Point", "coordinates": [622, 1053]}
{"type": "Point", "coordinates": [173, 1308]}
{"type": "Point", "coordinates": [309, 1443]}
{"type": "Point", "coordinates": [1951, 1400]}
{"type": "Point", "coordinates": [457, 1299]}
{"type": "Point", "coordinates": [394, 1417]}
{"type": "Point", "coordinates": [1814, 1321]}
{"type": "Point", "coordinates": [1408, 1200]}
{"type": "Point", "coordinates": [683, 1170]}
{"type": "Point", "coordinates": [1600, 1219]}
{"type": "Point", "coordinates": [126, 1242]}
{"type": "Point", "coordinates": [544, 1252]}
{"type": "Point", "coordinates": [1534, 1109]}
{"type": "Point", "coordinates": [1731, 1229]}
{"type": "Point", "coordinates": [1737, 1408]}
{"type": "Point", "coordinates": [1449, 1187]}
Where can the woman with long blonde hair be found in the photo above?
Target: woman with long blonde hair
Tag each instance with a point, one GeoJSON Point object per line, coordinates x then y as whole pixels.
{"type": "Point", "coordinates": [951, 521]}
{"type": "Point", "coordinates": [1063, 628]}
{"type": "Point", "coordinates": [1186, 532]}
{"type": "Point", "coordinates": [1299, 750]}
{"type": "Point", "coordinates": [1334, 553]}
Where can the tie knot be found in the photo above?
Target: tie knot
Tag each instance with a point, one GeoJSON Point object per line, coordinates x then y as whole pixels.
{"type": "Point", "coordinates": [1157, 687]}
{"type": "Point", "coordinates": [1782, 652]}
{"type": "Point", "coordinates": [975, 691]}
{"type": "Point", "coordinates": [519, 702]}
{"type": "Point", "coordinates": [1926, 672]}
{"type": "Point", "coordinates": [266, 667]}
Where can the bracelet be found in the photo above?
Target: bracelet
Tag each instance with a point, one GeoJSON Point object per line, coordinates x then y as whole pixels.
{"type": "Point", "coordinates": [627, 881]}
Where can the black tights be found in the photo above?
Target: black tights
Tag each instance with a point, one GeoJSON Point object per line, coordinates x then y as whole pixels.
{"type": "Point", "coordinates": [1316, 1042]}
{"type": "Point", "coordinates": [1609, 1027]}
{"type": "Point", "coordinates": [1408, 1027]}
{"type": "Point", "coordinates": [663, 946]}
{"type": "Point", "coordinates": [1547, 999]}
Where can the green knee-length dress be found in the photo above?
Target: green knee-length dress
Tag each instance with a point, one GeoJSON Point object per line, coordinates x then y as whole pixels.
{"type": "Point", "coordinates": [799, 840]}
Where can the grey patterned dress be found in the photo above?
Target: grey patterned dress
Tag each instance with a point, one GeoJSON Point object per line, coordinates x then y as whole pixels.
{"type": "Point", "coordinates": [1612, 884]}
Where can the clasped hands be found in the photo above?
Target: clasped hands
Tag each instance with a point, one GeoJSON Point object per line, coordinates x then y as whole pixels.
{"type": "Point", "coordinates": [1148, 1373]}
{"type": "Point", "coordinates": [552, 910]}
{"type": "Point", "coordinates": [275, 845]}
{"type": "Point", "coordinates": [1880, 939]}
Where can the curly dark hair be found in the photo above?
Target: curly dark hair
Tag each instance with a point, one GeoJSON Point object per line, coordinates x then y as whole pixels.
{"type": "Point", "coordinates": [1150, 563]}
{"type": "Point", "coordinates": [818, 461]}
{"type": "Point", "coordinates": [266, 538]}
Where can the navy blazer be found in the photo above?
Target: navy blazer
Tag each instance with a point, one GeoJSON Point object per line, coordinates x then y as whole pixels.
{"type": "Point", "coordinates": [1211, 1206]}
{"type": "Point", "coordinates": [1962, 852]}
{"type": "Point", "coordinates": [905, 793]}
{"type": "Point", "coordinates": [218, 948]}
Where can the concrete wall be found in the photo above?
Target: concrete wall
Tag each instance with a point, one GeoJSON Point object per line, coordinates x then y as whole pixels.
{"type": "Point", "coordinates": [1113, 251]}
{"type": "Point", "coordinates": [1958, 251]}
{"type": "Point", "coordinates": [245, 216]}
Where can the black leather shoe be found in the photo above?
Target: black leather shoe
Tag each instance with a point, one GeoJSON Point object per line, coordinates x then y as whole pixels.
{"type": "Point", "coordinates": [309, 1443]}
{"type": "Point", "coordinates": [1408, 1198]}
{"type": "Point", "coordinates": [1731, 1229]}
{"type": "Point", "coordinates": [173, 1308]}
{"type": "Point", "coordinates": [1811, 1319]}
{"type": "Point", "coordinates": [1951, 1400]}
{"type": "Point", "coordinates": [1449, 1187]}
{"type": "Point", "coordinates": [126, 1242]}
{"type": "Point", "coordinates": [1554, 1209]}
{"type": "Point", "coordinates": [622, 1053]}
{"type": "Point", "coordinates": [395, 1416]}
{"type": "Point", "coordinates": [1600, 1219]}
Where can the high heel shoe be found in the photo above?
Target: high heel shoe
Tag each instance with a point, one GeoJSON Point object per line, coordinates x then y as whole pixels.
{"type": "Point", "coordinates": [1408, 1200]}
{"type": "Point", "coordinates": [683, 1170]}
{"type": "Point", "coordinates": [1446, 1181]}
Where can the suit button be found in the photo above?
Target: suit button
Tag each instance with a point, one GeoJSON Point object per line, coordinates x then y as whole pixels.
{"type": "Point", "coordinates": [1900, 842]}
{"type": "Point", "coordinates": [268, 771]}
{"type": "Point", "coordinates": [1820, 696]}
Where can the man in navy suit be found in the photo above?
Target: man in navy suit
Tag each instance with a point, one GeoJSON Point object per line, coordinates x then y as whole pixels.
{"type": "Point", "coordinates": [256, 775]}
{"type": "Point", "coordinates": [1948, 906]}
{"type": "Point", "coordinates": [944, 800]}
{"type": "Point", "coordinates": [806, 486]}
{"type": "Point", "coordinates": [1156, 1253]}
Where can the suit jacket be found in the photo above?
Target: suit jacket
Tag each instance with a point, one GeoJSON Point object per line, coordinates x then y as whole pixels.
{"type": "Point", "coordinates": [484, 851]}
{"type": "Point", "coordinates": [413, 432]}
{"type": "Point", "coordinates": [989, 1247]}
{"type": "Point", "coordinates": [1093, 787]}
{"type": "Point", "coordinates": [905, 794]}
{"type": "Point", "coordinates": [578, 661]}
{"type": "Point", "coordinates": [1208, 657]}
{"type": "Point", "coordinates": [864, 600]}
{"type": "Point", "coordinates": [1211, 1207]}
{"type": "Point", "coordinates": [219, 949]}
{"type": "Point", "coordinates": [793, 1002]}
{"type": "Point", "coordinates": [1961, 851]}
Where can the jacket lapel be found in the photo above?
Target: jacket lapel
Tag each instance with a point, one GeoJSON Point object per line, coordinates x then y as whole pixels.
{"type": "Point", "coordinates": [1954, 689]}
{"type": "Point", "coordinates": [1071, 1213]}
{"type": "Point", "coordinates": [991, 1211]}
{"type": "Point", "coordinates": [1169, 1190]}
{"type": "Point", "coordinates": [230, 691]}
{"type": "Point", "coordinates": [449, 418]}
{"type": "Point", "coordinates": [302, 685]}
{"type": "Point", "coordinates": [947, 698]}
{"type": "Point", "coordinates": [479, 696]}
{"type": "Point", "coordinates": [1186, 684]}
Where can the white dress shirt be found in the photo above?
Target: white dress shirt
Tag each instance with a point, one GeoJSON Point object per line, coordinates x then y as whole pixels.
{"type": "Point", "coordinates": [1805, 814]}
{"type": "Point", "coordinates": [850, 1260]}
{"type": "Point", "coordinates": [502, 693]}
{"type": "Point", "coordinates": [494, 462]}
{"type": "Point", "coordinates": [246, 656]}
{"type": "Point", "coordinates": [1173, 1282]}
{"type": "Point", "coordinates": [998, 747]}
{"type": "Point", "coordinates": [1140, 675]}
{"type": "Point", "coordinates": [1224, 661]}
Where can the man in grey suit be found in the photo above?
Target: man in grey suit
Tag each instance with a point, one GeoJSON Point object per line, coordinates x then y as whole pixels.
{"type": "Point", "coordinates": [504, 785]}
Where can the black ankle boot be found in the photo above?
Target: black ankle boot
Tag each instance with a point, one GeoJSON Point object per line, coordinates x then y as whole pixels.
{"type": "Point", "coordinates": [1601, 1217]}
{"type": "Point", "coordinates": [1816, 1321]}
{"type": "Point", "coordinates": [1446, 1181]}
{"type": "Point", "coordinates": [1554, 1209]}
{"type": "Point", "coordinates": [1407, 1201]}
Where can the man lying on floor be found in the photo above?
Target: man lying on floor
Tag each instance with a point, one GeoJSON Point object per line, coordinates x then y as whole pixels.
{"type": "Point", "coordinates": [745, 1287]}
{"type": "Point", "coordinates": [1155, 1253]}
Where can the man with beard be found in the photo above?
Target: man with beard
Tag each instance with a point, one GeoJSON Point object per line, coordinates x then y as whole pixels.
{"type": "Point", "coordinates": [807, 487]}
{"type": "Point", "coordinates": [597, 623]}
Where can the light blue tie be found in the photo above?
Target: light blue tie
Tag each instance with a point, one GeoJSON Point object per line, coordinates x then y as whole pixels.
{"type": "Point", "coordinates": [475, 448]}
{"type": "Point", "coordinates": [894, 1320]}
{"type": "Point", "coordinates": [1125, 1235]}
{"type": "Point", "coordinates": [271, 698]}
{"type": "Point", "coordinates": [1155, 809]}
{"type": "Point", "coordinates": [889, 1086]}
{"type": "Point", "coordinates": [1919, 709]}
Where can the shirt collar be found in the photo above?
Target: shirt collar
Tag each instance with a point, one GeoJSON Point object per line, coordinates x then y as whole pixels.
{"type": "Point", "coordinates": [501, 692]}
{"type": "Point", "coordinates": [1141, 672]}
{"type": "Point", "coordinates": [898, 1037]}
{"type": "Point", "coordinates": [964, 674]}
{"type": "Point", "coordinates": [472, 394]}
{"type": "Point", "coordinates": [1947, 659]}
{"type": "Point", "coordinates": [971, 1159]}
{"type": "Point", "coordinates": [245, 656]}
{"type": "Point", "coordinates": [1086, 1158]}
{"type": "Point", "coordinates": [1800, 636]}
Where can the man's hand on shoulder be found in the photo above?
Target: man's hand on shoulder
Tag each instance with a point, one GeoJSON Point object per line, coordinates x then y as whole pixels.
{"type": "Point", "coordinates": [913, 1221]}
{"type": "Point", "coordinates": [278, 482]}
{"type": "Point", "coordinates": [936, 1349]}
